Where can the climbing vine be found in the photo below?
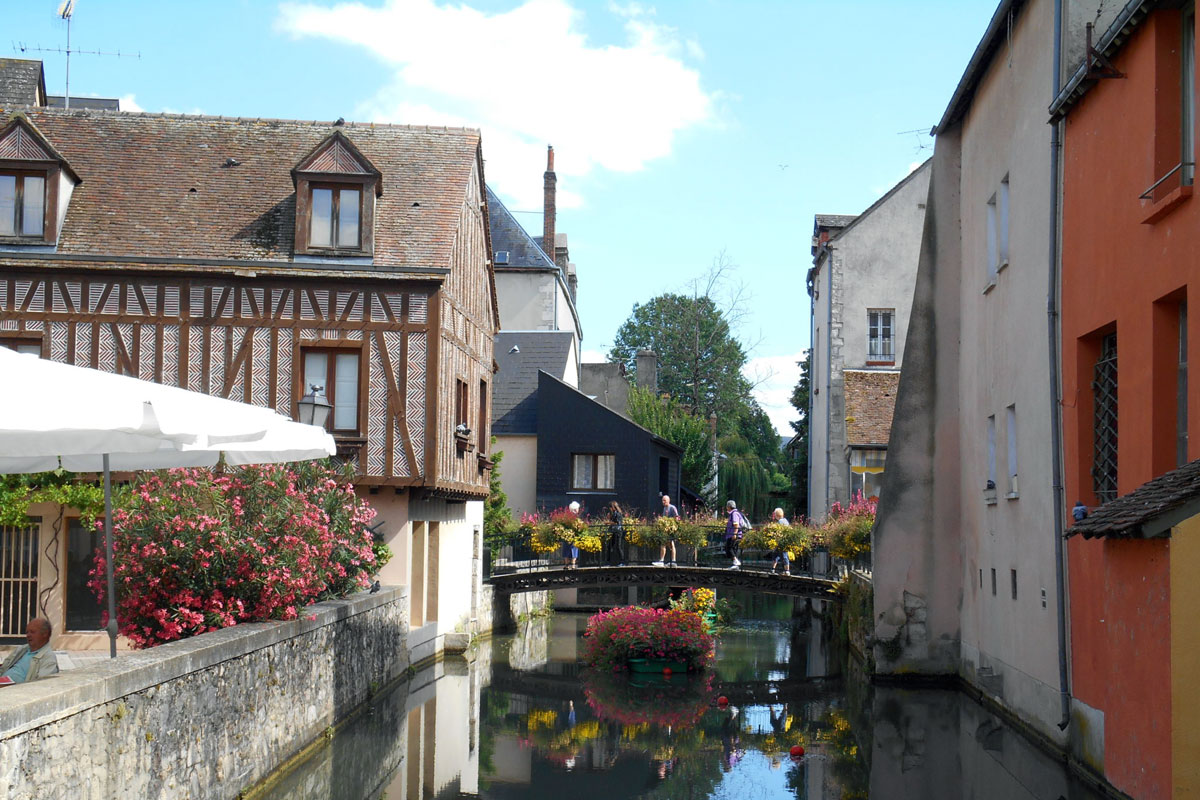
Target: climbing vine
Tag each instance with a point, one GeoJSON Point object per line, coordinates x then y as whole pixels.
{"type": "Point", "coordinates": [19, 492]}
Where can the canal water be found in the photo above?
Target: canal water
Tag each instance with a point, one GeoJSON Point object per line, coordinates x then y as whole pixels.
{"type": "Point", "coordinates": [524, 719]}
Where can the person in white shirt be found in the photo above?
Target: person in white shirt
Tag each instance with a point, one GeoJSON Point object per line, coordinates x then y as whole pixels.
{"type": "Point", "coordinates": [33, 660]}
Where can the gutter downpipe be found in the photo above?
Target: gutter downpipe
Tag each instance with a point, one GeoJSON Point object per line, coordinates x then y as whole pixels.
{"type": "Point", "coordinates": [812, 328]}
{"type": "Point", "coordinates": [1052, 324]}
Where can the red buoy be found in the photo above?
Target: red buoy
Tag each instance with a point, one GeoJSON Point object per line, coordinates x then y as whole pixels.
{"type": "Point", "coordinates": [797, 750]}
{"type": "Point", "coordinates": [667, 671]}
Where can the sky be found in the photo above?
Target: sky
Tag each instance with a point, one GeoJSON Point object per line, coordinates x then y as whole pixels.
{"type": "Point", "coordinates": [686, 133]}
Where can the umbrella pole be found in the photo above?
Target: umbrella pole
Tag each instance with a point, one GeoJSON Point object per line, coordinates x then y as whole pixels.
{"type": "Point", "coordinates": [108, 561]}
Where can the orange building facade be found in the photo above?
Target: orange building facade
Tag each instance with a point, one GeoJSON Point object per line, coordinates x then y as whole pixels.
{"type": "Point", "coordinates": [1130, 264]}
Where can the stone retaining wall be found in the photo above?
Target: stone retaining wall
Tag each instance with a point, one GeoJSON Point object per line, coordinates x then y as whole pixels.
{"type": "Point", "coordinates": [204, 717]}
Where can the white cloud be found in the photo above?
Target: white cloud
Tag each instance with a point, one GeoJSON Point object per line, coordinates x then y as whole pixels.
{"type": "Point", "coordinates": [593, 357]}
{"type": "Point", "coordinates": [527, 77]}
{"type": "Point", "coordinates": [129, 103]}
{"type": "Point", "coordinates": [775, 377]}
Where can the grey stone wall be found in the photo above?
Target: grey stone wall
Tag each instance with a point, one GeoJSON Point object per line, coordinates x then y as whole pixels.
{"type": "Point", "coordinates": [204, 717]}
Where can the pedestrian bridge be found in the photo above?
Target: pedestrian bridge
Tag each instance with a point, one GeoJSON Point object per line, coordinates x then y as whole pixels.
{"type": "Point", "coordinates": [755, 580]}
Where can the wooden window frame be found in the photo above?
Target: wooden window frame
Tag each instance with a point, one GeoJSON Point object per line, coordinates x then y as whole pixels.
{"type": "Point", "coordinates": [595, 472]}
{"type": "Point", "coordinates": [336, 190]}
{"type": "Point", "coordinates": [49, 174]}
{"type": "Point", "coordinates": [13, 338]}
{"type": "Point", "coordinates": [484, 438]}
{"type": "Point", "coordinates": [365, 185]}
{"type": "Point", "coordinates": [332, 350]}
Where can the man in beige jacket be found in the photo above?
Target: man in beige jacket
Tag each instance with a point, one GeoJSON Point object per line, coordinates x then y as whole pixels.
{"type": "Point", "coordinates": [35, 659]}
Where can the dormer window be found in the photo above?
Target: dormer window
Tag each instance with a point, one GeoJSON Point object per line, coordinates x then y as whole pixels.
{"type": "Point", "coordinates": [33, 180]}
{"type": "Point", "coordinates": [334, 217]}
{"type": "Point", "coordinates": [336, 187]}
{"type": "Point", "coordinates": [22, 204]}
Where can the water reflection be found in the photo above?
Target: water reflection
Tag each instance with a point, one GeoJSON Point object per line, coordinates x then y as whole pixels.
{"type": "Point", "coordinates": [524, 720]}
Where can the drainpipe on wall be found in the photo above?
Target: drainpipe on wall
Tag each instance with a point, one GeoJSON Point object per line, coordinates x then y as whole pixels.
{"type": "Point", "coordinates": [1055, 411]}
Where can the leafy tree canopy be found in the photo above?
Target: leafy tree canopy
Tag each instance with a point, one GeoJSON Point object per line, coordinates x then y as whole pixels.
{"type": "Point", "coordinates": [699, 359]}
{"type": "Point", "coordinates": [669, 419]}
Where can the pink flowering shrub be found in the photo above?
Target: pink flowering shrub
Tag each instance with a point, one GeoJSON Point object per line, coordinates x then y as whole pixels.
{"type": "Point", "coordinates": [196, 551]}
{"type": "Point", "coordinates": [614, 637]}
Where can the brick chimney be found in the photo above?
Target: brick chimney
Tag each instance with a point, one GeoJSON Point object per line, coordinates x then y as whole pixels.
{"type": "Point", "coordinates": [549, 210]}
{"type": "Point", "coordinates": [646, 364]}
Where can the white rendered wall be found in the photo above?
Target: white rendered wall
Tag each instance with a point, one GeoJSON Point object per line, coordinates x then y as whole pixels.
{"type": "Point", "coordinates": [518, 472]}
{"type": "Point", "coordinates": [1004, 361]}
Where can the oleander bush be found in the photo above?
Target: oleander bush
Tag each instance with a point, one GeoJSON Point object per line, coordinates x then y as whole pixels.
{"type": "Point", "coordinates": [195, 551]}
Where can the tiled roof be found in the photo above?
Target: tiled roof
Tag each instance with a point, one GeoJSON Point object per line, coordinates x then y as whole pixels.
{"type": "Point", "coordinates": [158, 185]}
{"type": "Point", "coordinates": [20, 80]}
{"type": "Point", "coordinates": [870, 399]}
{"type": "Point", "coordinates": [514, 387]}
{"type": "Point", "coordinates": [508, 235]}
{"type": "Point", "coordinates": [1149, 510]}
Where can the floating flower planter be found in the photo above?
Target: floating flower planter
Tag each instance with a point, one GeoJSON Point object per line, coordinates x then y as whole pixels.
{"type": "Point", "coordinates": [647, 640]}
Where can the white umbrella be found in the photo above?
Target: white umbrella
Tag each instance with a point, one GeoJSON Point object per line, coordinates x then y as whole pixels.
{"type": "Point", "coordinates": [84, 420]}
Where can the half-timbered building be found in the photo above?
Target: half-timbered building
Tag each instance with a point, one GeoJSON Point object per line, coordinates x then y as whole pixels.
{"type": "Point", "coordinates": [251, 259]}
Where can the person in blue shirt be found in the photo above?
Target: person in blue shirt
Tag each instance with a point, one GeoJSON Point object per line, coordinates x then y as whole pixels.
{"type": "Point", "coordinates": [33, 660]}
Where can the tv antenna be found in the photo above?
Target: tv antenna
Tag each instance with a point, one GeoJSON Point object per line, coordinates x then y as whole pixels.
{"type": "Point", "coordinates": [65, 11]}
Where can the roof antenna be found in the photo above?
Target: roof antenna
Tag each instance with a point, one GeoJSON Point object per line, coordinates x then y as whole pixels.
{"type": "Point", "coordinates": [65, 11]}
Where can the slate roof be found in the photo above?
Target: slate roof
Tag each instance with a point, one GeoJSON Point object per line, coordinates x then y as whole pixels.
{"type": "Point", "coordinates": [833, 220]}
{"type": "Point", "coordinates": [102, 103]}
{"type": "Point", "coordinates": [507, 234]}
{"type": "Point", "coordinates": [156, 185]}
{"type": "Point", "coordinates": [1149, 510]}
{"type": "Point", "coordinates": [870, 400]}
{"type": "Point", "coordinates": [514, 386]}
{"type": "Point", "coordinates": [20, 80]}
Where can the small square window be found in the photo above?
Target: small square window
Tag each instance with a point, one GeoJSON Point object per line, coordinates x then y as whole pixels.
{"type": "Point", "coordinates": [593, 471]}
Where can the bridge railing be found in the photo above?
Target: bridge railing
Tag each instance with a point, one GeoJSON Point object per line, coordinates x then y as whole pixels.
{"type": "Point", "coordinates": [518, 555]}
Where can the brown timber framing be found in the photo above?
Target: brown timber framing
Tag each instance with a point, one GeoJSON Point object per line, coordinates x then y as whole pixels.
{"type": "Point", "coordinates": [182, 329]}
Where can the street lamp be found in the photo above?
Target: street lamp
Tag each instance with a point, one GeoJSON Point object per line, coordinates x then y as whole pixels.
{"type": "Point", "coordinates": [314, 407]}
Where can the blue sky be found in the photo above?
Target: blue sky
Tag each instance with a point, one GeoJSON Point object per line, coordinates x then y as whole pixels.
{"type": "Point", "coordinates": [684, 131]}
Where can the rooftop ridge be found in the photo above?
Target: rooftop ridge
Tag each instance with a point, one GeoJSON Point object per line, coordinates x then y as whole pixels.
{"type": "Point", "coordinates": [84, 112]}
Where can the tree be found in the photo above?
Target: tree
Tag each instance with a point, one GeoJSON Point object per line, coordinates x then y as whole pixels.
{"type": "Point", "coordinates": [743, 477]}
{"type": "Point", "coordinates": [700, 360]}
{"type": "Point", "coordinates": [668, 419]}
{"type": "Point", "coordinates": [497, 518]}
{"type": "Point", "coordinates": [800, 400]}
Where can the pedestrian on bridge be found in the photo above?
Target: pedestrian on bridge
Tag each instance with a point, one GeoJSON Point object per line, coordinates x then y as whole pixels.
{"type": "Point", "coordinates": [735, 528]}
{"type": "Point", "coordinates": [615, 551]}
{"type": "Point", "coordinates": [668, 510]}
{"type": "Point", "coordinates": [781, 551]}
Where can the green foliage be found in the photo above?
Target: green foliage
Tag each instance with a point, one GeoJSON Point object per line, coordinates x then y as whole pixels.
{"type": "Point", "coordinates": [699, 359]}
{"type": "Point", "coordinates": [669, 419]}
{"type": "Point", "coordinates": [19, 492]}
{"type": "Point", "coordinates": [799, 464]}
{"type": "Point", "coordinates": [744, 478]}
{"type": "Point", "coordinates": [497, 517]}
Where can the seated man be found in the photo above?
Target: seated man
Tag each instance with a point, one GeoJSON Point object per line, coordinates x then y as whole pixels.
{"type": "Point", "coordinates": [34, 660]}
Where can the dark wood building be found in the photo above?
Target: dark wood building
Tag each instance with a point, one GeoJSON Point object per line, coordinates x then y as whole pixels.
{"type": "Point", "coordinates": [590, 453]}
{"type": "Point", "coordinates": [250, 258]}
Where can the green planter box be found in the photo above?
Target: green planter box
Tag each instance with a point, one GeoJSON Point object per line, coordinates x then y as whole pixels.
{"type": "Point", "coordinates": [656, 665]}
